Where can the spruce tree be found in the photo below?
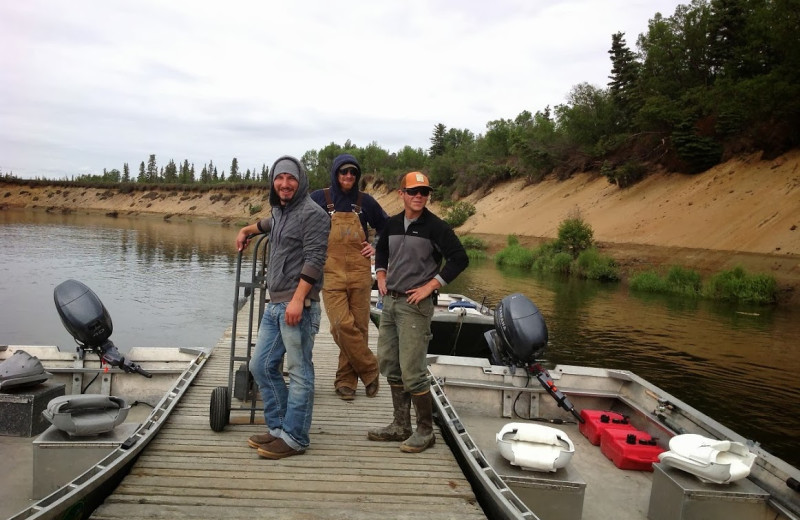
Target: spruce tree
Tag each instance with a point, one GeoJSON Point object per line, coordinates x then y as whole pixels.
{"type": "Point", "coordinates": [624, 80]}
{"type": "Point", "coordinates": [234, 176]}
{"type": "Point", "coordinates": [152, 170]}
{"type": "Point", "coordinates": [438, 144]}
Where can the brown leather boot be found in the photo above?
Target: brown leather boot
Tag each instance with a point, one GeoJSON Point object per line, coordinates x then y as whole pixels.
{"type": "Point", "coordinates": [372, 388]}
{"type": "Point", "coordinates": [400, 429]}
{"type": "Point", "coordinates": [423, 438]}
{"type": "Point", "coordinates": [256, 441]}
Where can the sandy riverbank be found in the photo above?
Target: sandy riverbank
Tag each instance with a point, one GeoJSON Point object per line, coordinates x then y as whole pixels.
{"type": "Point", "coordinates": [744, 212]}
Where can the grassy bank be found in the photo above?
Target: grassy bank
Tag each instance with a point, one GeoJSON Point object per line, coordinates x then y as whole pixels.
{"type": "Point", "coordinates": [575, 253]}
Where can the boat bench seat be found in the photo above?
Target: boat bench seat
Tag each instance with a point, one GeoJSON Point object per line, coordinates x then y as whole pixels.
{"type": "Point", "coordinates": [555, 495]}
{"type": "Point", "coordinates": [677, 495]}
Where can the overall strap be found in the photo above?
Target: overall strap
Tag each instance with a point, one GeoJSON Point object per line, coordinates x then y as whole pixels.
{"type": "Point", "coordinates": [329, 200]}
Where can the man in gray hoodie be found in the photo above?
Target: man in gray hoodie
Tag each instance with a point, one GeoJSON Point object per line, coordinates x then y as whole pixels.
{"type": "Point", "coordinates": [298, 240]}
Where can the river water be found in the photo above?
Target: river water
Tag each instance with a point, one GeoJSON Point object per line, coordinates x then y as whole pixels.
{"type": "Point", "coordinates": [172, 284]}
{"type": "Point", "coordinates": [163, 284]}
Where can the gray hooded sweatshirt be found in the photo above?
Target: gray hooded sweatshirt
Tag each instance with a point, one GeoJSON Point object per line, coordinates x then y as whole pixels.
{"type": "Point", "coordinates": [298, 236]}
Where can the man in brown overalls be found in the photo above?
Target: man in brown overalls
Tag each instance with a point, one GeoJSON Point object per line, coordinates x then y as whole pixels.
{"type": "Point", "coordinates": [348, 274]}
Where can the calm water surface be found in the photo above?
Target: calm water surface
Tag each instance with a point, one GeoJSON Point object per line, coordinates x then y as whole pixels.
{"type": "Point", "coordinates": [172, 284]}
{"type": "Point", "coordinates": [163, 284]}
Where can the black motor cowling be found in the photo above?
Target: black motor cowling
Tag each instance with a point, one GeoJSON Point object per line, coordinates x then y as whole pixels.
{"type": "Point", "coordinates": [82, 313]}
{"type": "Point", "coordinates": [88, 321]}
{"type": "Point", "coordinates": [520, 332]}
{"type": "Point", "coordinates": [518, 338]}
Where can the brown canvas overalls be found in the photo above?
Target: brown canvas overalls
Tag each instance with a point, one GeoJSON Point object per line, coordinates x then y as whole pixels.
{"type": "Point", "coordinates": [346, 296]}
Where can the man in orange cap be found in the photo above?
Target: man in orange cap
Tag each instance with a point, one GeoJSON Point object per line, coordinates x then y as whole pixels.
{"type": "Point", "coordinates": [408, 267]}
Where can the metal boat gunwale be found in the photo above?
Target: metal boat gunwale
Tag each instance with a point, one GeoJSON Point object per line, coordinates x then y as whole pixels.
{"type": "Point", "coordinates": [505, 500]}
{"type": "Point", "coordinates": [59, 501]}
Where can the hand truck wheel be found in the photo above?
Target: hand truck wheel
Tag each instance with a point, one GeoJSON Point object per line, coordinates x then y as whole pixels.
{"type": "Point", "coordinates": [220, 412]}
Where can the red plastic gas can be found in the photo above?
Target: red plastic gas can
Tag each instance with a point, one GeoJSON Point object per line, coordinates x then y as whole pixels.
{"type": "Point", "coordinates": [598, 421]}
{"type": "Point", "coordinates": [630, 449]}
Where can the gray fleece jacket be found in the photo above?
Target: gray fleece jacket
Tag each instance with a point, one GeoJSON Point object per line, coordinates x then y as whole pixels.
{"type": "Point", "coordinates": [298, 239]}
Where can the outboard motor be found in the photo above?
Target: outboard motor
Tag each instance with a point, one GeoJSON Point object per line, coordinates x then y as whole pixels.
{"type": "Point", "coordinates": [518, 338]}
{"type": "Point", "coordinates": [88, 321]}
{"type": "Point", "coordinates": [520, 333]}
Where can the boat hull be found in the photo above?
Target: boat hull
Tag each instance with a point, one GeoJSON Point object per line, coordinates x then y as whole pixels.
{"type": "Point", "coordinates": [474, 400]}
{"type": "Point", "coordinates": [82, 491]}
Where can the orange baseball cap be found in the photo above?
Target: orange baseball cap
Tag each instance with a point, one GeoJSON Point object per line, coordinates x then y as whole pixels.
{"type": "Point", "coordinates": [413, 180]}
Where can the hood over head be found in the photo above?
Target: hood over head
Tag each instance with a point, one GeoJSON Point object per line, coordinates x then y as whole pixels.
{"type": "Point", "coordinates": [292, 166]}
{"type": "Point", "coordinates": [338, 162]}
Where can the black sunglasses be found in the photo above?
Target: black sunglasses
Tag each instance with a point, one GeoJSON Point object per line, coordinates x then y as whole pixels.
{"type": "Point", "coordinates": [423, 190]}
{"type": "Point", "coordinates": [352, 171]}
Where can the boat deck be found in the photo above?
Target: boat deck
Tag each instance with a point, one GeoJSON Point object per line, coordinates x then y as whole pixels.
{"type": "Point", "coordinates": [190, 471]}
{"type": "Point", "coordinates": [609, 492]}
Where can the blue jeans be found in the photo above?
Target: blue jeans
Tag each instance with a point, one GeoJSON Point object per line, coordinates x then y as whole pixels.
{"type": "Point", "coordinates": [287, 408]}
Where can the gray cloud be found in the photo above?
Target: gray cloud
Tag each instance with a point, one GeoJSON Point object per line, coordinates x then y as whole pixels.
{"type": "Point", "coordinates": [89, 84]}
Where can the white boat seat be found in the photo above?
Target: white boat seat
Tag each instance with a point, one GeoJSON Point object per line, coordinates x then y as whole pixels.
{"type": "Point", "coordinates": [86, 414]}
{"type": "Point", "coordinates": [535, 447]}
{"type": "Point", "coordinates": [710, 460]}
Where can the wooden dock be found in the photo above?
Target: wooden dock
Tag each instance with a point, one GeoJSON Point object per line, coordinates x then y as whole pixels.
{"type": "Point", "coordinates": [190, 471]}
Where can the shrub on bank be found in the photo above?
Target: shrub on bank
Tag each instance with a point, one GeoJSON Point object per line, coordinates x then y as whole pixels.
{"type": "Point", "coordinates": [678, 280]}
{"type": "Point", "coordinates": [574, 236]}
{"type": "Point", "coordinates": [734, 285]}
{"type": "Point", "coordinates": [591, 265]}
{"type": "Point", "coordinates": [475, 247]}
{"type": "Point", "coordinates": [476, 254]}
{"type": "Point", "coordinates": [573, 252]}
{"type": "Point", "coordinates": [739, 286]}
{"type": "Point", "coordinates": [549, 260]}
{"type": "Point", "coordinates": [648, 281]}
{"type": "Point", "coordinates": [515, 256]}
{"type": "Point", "coordinates": [684, 281]}
{"type": "Point", "coordinates": [561, 263]}
{"type": "Point", "coordinates": [457, 213]}
{"type": "Point", "coordinates": [471, 242]}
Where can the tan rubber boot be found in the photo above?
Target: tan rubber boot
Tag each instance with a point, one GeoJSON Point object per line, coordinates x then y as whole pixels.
{"type": "Point", "coordinates": [400, 429]}
{"type": "Point", "coordinates": [423, 438]}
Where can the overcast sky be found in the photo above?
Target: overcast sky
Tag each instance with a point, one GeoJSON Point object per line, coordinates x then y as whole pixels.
{"type": "Point", "coordinates": [93, 84]}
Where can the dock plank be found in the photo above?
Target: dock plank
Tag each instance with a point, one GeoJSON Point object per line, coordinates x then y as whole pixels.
{"type": "Point", "coordinates": [190, 471]}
